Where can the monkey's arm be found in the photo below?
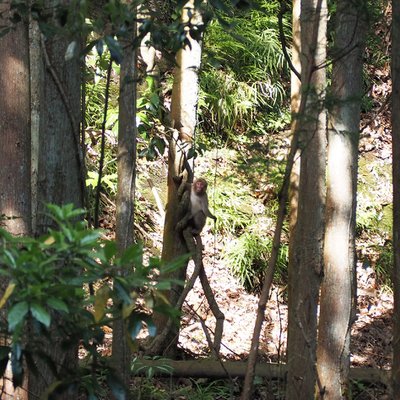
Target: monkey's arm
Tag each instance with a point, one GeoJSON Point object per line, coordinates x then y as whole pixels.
{"type": "Point", "coordinates": [184, 211]}
{"type": "Point", "coordinates": [211, 215]}
{"type": "Point", "coordinates": [207, 211]}
{"type": "Point", "coordinates": [183, 187]}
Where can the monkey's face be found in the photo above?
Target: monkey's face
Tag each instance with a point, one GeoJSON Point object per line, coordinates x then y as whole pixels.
{"type": "Point", "coordinates": [200, 187]}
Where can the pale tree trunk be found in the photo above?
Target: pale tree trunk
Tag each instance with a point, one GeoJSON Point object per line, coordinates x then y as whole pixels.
{"type": "Point", "coordinates": [60, 176]}
{"type": "Point", "coordinates": [295, 100]}
{"type": "Point", "coordinates": [183, 120]}
{"type": "Point", "coordinates": [36, 80]}
{"type": "Point", "coordinates": [337, 306]}
{"type": "Point", "coordinates": [15, 173]}
{"type": "Point", "coordinates": [396, 193]}
{"type": "Point", "coordinates": [295, 84]}
{"type": "Point", "coordinates": [124, 232]}
{"type": "Point", "coordinates": [308, 237]}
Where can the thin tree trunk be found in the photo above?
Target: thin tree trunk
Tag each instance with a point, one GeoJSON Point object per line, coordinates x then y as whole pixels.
{"type": "Point", "coordinates": [301, 103]}
{"type": "Point", "coordinates": [396, 193]}
{"type": "Point", "coordinates": [306, 267]}
{"type": "Point", "coordinates": [15, 154]}
{"type": "Point", "coordinates": [337, 305]}
{"type": "Point", "coordinates": [295, 102]}
{"type": "Point", "coordinates": [183, 120]}
{"type": "Point", "coordinates": [125, 236]}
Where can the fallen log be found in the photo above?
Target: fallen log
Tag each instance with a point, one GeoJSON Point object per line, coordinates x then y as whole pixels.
{"type": "Point", "coordinates": [207, 368]}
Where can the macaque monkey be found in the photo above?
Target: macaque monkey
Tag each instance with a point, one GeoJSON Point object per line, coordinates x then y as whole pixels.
{"type": "Point", "coordinates": [194, 206]}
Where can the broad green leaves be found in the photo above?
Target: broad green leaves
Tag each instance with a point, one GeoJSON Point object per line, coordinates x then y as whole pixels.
{"type": "Point", "coordinates": [17, 314]}
{"type": "Point", "coordinates": [46, 294]}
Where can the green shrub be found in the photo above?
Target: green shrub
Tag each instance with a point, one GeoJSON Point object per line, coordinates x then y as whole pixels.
{"type": "Point", "coordinates": [248, 258]}
{"type": "Point", "coordinates": [45, 294]}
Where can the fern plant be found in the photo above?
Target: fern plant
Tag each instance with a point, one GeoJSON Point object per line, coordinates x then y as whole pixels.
{"type": "Point", "coordinates": [245, 73]}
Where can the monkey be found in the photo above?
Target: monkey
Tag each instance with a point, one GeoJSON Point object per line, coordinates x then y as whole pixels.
{"type": "Point", "coordinates": [194, 206]}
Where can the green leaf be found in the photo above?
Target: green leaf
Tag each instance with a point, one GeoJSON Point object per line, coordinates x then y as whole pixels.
{"type": "Point", "coordinates": [7, 294]}
{"type": "Point", "coordinates": [100, 47]}
{"type": "Point", "coordinates": [40, 314]}
{"type": "Point", "coordinates": [115, 49]}
{"type": "Point", "coordinates": [132, 255]}
{"type": "Point", "coordinates": [100, 302]}
{"type": "Point", "coordinates": [57, 304]}
{"type": "Point", "coordinates": [90, 238]}
{"type": "Point", "coordinates": [110, 250]}
{"type": "Point", "coordinates": [17, 314]}
{"type": "Point", "coordinates": [123, 294]}
{"type": "Point", "coordinates": [9, 258]}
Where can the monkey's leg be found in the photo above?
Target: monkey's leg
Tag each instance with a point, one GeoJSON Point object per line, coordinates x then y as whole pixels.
{"type": "Point", "coordinates": [187, 234]}
{"type": "Point", "coordinates": [218, 314]}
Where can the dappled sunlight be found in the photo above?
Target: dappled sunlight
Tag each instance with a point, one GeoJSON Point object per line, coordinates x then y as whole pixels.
{"type": "Point", "coordinates": [11, 90]}
{"type": "Point", "coordinates": [13, 219]}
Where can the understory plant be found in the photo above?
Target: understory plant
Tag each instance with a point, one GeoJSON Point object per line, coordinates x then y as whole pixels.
{"type": "Point", "coordinates": [248, 258]}
{"type": "Point", "coordinates": [47, 304]}
{"type": "Point", "coordinates": [245, 76]}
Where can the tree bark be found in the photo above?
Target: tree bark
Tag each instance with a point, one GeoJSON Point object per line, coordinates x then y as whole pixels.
{"type": "Point", "coordinates": [183, 120]}
{"type": "Point", "coordinates": [306, 260]}
{"type": "Point", "coordinates": [396, 193]}
{"type": "Point", "coordinates": [15, 152]}
{"type": "Point", "coordinates": [60, 176]}
{"type": "Point", "coordinates": [295, 102]}
{"type": "Point", "coordinates": [125, 236]}
{"type": "Point", "coordinates": [337, 303]}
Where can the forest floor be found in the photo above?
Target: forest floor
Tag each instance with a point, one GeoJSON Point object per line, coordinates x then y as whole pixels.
{"type": "Point", "coordinates": [371, 334]}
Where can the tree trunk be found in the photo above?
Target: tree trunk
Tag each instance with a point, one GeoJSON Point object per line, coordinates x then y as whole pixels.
{"type": "Point", "coordinates": [183, 119]}
{"type": "Point", "coordinates": [306, 268]}
{"type": "Point", "coordinates": [15, 155]}
{"type": "Point", "coordinates": [60, 166]}
{"type": "Point", "coordinates": [396, 193]}
{"type": "Point", "coordinates": [60, 172]}
{"type": "Point", "coordinates": [295, 102]}
{"type": "Point", "coordinates": [124, 233]}
{"type": "Point", "coordinates": [337, 304]}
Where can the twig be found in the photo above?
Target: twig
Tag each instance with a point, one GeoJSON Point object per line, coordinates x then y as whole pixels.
{"type": "Point", "coordinates": [282, 39]}
{"type": "Point", "coordinates": [102, 151]}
